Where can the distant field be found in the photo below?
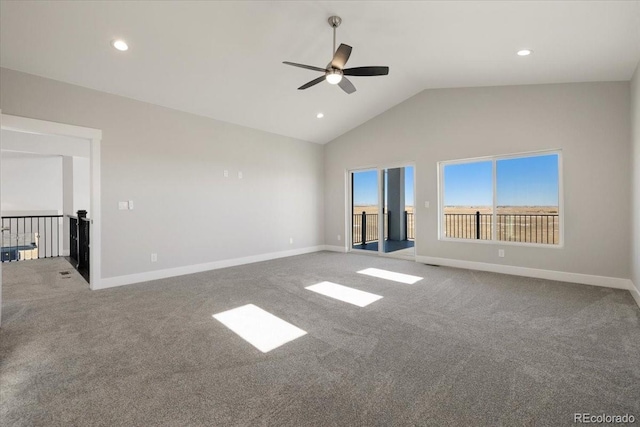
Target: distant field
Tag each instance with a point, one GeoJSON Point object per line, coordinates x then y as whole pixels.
{"type": "Point", "coordinates": [527, 224]}
{"type": "Point", "coordinates": [373, 209]}
{"type": "Point", "coordinates": [522, 210]}
{"type": "Point", "coordinates": [515, 210]}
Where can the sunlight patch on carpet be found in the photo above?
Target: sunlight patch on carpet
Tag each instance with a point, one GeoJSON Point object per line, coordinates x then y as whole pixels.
{"type": "Point", "coordinates": [344, 293]}
{"type": "Point", "coordinates": [391, 275]}
{"type": "Point", "coordinates": [258, 327]}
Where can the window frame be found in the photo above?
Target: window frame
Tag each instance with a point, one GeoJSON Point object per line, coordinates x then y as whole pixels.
{"type": "Point", "coordinates": [494, 159]}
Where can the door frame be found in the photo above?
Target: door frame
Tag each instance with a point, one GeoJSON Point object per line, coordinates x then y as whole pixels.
{"type": "Point", "coordinates": [349, 217]}
{"type": "Point", "coordinates": [94, 138]}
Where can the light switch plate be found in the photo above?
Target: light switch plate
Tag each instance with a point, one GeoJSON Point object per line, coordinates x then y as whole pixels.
{"type": "Point", "coordinates": [123, 206]}
{"type": "Point", "coordinates": [130, 205]}
{"type": "Point", "coordinates": [426, 204]}
{"type": "Point", "coordinates": [239, 175]}
{"type": "Point", "coordinates": [226, 174]}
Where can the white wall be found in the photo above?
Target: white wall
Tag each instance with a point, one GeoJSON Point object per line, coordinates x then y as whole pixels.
{"type": "Point", "coordinates": [171, 165]}
{"type": "Point", "coordinates": [588, 121]}
{"type": "Point", "coordinates": [76, 190]}
{"type": "Point", "coordinates": [81, 184]}
{"type": "Point", "coordinates": [31, 184]}
{"type": "Point", "coordinates": [76, 184]}
{"type": "Point", "coordinates": [635, 180]}
{"type": "Point", "coordinates": [67, 198]}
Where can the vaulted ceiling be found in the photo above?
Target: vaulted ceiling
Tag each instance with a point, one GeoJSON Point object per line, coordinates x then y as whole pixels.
{"type": "Point", "coordinates": [224, 59]}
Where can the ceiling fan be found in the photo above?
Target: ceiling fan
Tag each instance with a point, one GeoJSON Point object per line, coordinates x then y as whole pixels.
{"type": "Point", "coordinates": [335, 72]}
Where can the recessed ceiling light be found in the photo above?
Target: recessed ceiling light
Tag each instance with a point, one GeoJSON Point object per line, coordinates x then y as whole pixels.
{"type": "Point", "coordinates": [525, 52]}
{"type": "Point", "coordinates": [319, 115]}
{"type": "Point", "coordinates": [121, 45]}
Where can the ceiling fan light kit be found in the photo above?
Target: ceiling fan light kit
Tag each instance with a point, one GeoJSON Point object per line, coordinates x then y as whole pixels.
{"type": "Point", "coordinates": [335, 72]}
{"type": "Point", "coordinates": [334, 76]}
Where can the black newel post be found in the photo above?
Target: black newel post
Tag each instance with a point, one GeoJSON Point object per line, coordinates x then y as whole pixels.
{"type": "Point", "coordinates": [83, 240]}
{"type": "Point", "coordinates": [73, 239]}
{"type": "Point", "coordinates": [477, 224]}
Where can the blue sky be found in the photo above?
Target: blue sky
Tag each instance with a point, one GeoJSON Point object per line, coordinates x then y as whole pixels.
{"type": "Point", "coordinates": [365, 187]}
{"type": "Point", "coordinates": [529, 181]}
{"type": "Point", "coordinates": [468, 184]}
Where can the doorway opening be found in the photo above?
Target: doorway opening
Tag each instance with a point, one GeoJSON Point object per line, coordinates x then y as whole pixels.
{"type": "Point", "coordinates": [382, 211]}
{"type": "Point", "coordinates": [45, 182]}
{"type": "Point", "coordinates": [31, 136]}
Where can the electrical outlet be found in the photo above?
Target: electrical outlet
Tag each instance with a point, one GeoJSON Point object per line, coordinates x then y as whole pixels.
{"type": "Point", "coordinates": [154, 257]}
{"type": "Point", "coordinates": [130, 205]}
{"type": "Point", "coordinates": [123, 206]}
{"type": "Point", "coordinates": [501, 253]}
{"type": "Point", "coordinates": [426, 204]}
{"type": "Point", "coordinates": [291, 240]}
{"type": "Point", "coordinates": [239, 175]}
{"type": "Point", "coordinates": [339, 237]}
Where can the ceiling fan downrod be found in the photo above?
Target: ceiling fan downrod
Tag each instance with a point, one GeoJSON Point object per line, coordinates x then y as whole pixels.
{"type": "Point", "coordinates": [335, 22]}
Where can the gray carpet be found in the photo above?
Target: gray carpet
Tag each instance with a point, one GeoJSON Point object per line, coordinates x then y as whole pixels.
{"type": "Point", "coordinates": [457, 348]}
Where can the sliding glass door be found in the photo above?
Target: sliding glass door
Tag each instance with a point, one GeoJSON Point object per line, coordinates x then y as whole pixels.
{"type": "Point", "coordinates": [382, 211]}
{"type": "Point", "coordinates": [365, 207]}
{"type": "Point", "coordinates": [399, 224]}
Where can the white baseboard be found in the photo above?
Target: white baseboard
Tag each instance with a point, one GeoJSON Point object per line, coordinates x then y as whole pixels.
{"type": "Point", "coordinates": [587, 279]}
{"type": "Point", "coordinates": [129, 279]}
{"type": "Point", "coordinates": [334, 248]}
{"type": "Point", "coordinates": [562, 276]}
{"type": "Point", "coordinates": [65, 252]}
{"type": "Point", "coordinates": [635, 294]}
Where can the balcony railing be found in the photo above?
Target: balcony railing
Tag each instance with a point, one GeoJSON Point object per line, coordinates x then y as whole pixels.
{"type": "Point", "coordinates": [365, 227]}
{"type": "Point", "coordinates": [30, 237]}
{"type": "Point", "coordinates": [410, 225]}
{"type": "Point", "coordinates": [468, 226]}
{"type": "Point", "coordinates": [524, 228]}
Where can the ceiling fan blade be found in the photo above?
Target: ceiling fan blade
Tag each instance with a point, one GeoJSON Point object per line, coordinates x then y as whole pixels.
{"type": "Point", "coordinates": [346, 85]}
{"type": "Point", "coordinates": [308, 67]}
{"type": "Point", "coordinates": [366, 71]}
{"type": "Point", "coordinates": [312, 83]}
{"type": "Point", "coordinates": [341, 56]}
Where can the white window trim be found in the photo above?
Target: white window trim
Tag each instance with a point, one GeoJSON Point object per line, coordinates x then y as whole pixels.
{"type": "Point", "coordinates": [494, 159]}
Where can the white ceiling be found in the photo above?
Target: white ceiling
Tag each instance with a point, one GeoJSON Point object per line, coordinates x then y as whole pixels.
{"type": "Point", "coordinates": [224, 59]}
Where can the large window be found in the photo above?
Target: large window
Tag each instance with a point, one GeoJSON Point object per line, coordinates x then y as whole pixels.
{"type": "Point", "coordinates": [506, 199]}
